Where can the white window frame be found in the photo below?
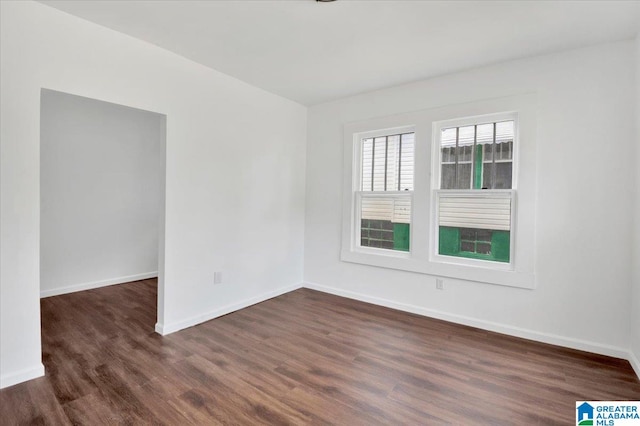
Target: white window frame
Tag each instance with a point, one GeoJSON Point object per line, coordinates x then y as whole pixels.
{"type": "Point", "coordinates": [437, 193]}
{"type": "Point", "coordinates": [358, 193]}
{"type": "Point", "coordinates": [520, 272]}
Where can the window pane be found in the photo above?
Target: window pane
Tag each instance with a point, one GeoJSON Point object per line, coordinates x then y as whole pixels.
{"type": "Point", "coordinates": [507, 151]}
{"type": "Point", "coordinates": [393, 148]}
{"type": "Point", "coordinates": [464, 176]}
{"type": "Point", "coordinates": [465, 138]}
{"type": "Point", "coordinates": [385, 222]}
{"type": "Point", "coordinates": [367, 166]}
{"type": "Point", "coordinates": [483, 248]}
{"type": "Point", "coordinates": [483, 235]}
{"type": "Point", "coordinates": [449, 155]}
{"type": "Point", "coordinates": [465, 153]}
{"type": "Point", "coordinates": [467, 234]}
{"type": "Point", "coordinates": [448, 138]}
{"type": "Point", "coordinates": [406, 166]}
{"type": "Point", "coordinates": [504, 151]}
{"type": "Point", "coordinates": [467, 246]}
{"type": "Point", "coordinates": [465, 156]}
{"type": "Point", "coordinates": [379, 154]}
{"type": "Point", "coordinates": [485, 134]}
{"type": "Point", "coordinates": [503, 175]}
{"type": "Point", "coordinates": [448, 176]}
{"type": "Point", "coordinates": [487, 153]}
{"type": "Point", "coordinates": [504, 131]}
{"type": "Point", "coordinates": [487, 173]}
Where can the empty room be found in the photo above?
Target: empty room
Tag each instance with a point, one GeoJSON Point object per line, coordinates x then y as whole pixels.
{"type": "Point", "coordinates": [319, 212]}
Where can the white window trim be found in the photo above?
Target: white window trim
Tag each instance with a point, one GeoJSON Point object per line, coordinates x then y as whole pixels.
{"type": "Point", "coordinates": [521, 269]}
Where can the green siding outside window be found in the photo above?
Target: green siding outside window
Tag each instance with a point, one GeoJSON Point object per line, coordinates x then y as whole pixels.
{"type": "Point", "coordinates": [401, 233]}
{"type": "Point", "coordinates": [477, 165]}
{"type": "Point", "coordinates": [451, 241]}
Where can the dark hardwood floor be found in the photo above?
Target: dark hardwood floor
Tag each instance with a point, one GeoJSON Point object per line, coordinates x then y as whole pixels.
{"type": "Point", "coordinates": [301, 358]}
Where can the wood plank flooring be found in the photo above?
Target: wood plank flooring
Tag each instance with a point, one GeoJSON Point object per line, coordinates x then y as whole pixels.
{"type": "Point", "coordinates": [301, 358]}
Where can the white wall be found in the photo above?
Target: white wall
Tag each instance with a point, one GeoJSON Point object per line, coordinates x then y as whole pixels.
{"type": "Point", "coordinates": [635, 295]}
{"type": "Point", "coordinates": [234, 175]}
{"type": "Point", "coordinates": [100, 193]}
{"type": "Point", "coordinates": [585, 133]}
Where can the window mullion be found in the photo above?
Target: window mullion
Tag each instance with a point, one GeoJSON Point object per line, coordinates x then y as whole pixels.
{"type": "Point", "coordinates": [493, 158]}
{"type": "Point", "coordinates": [455, 174]}
{"type": "Point", "coordinates": [373, 160]}
{"type": "Point", "coordinates": [476, 175]}
{"type": "Point", "coordinates": [386, 159]}
{"type": "Point", "coordinates": [400, 163]}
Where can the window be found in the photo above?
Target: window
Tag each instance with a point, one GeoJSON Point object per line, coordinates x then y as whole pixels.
{"type": "Point", "coordinates": [435, 191]}
{"type": "Point", "coordinates": [473, 215]}
{"type": "Point", "coordinates": [386, 188]}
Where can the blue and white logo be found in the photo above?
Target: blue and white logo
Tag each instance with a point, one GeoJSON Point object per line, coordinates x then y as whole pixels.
{"type": "Point", "coordinates": [585, 414]}
{"type": "Point", "coordinates": [608, 413]}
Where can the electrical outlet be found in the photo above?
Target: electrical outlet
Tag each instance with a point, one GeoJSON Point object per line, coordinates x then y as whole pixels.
{"type": "Point", "coordinates": [217, 277]}
{"type": "Point", "coordinates": [439, 283]}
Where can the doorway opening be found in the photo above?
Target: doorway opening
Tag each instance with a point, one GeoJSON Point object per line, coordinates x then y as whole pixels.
{"type": "Point", "coordinates": [102, 196]}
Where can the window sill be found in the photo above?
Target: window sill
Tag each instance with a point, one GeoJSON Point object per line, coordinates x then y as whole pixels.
{"type": "Point", "coordinates": [489, 275]}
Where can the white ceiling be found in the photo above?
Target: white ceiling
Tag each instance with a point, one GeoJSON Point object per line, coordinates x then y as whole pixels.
{"type": "Point", "coordinates": [313, 52]}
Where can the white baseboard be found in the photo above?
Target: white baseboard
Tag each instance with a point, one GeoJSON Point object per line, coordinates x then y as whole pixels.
{"type": "Point", "coordinates": [485, 325]}
{"type": "Point", "coordinates": [16, 377]}
{"type": "Point", "coordinates": [165, 329]}
{"type": "Point", "coordinates": [96, 284]}
{"type": "Point", "coordinates": [635, 363]}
